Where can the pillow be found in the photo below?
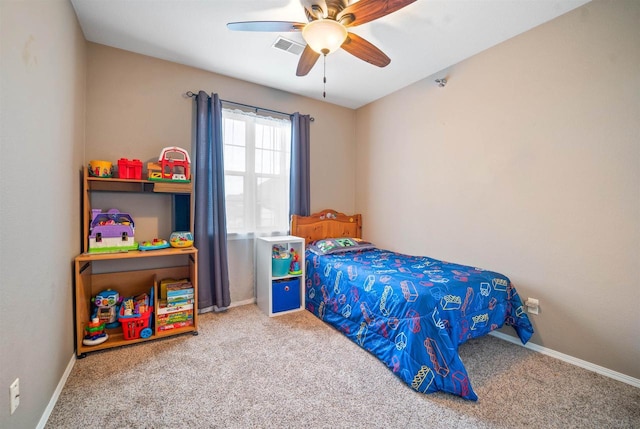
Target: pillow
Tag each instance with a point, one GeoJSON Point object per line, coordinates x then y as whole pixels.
{"type": "Point", "coordinates": [330, 246]}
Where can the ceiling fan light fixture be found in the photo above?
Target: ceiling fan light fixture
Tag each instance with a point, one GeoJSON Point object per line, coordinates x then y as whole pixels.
{"type": "Point", "coordinates": [324, 35]}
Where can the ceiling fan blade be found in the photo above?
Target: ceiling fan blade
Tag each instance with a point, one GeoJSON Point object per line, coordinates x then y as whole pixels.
{"type": "Point", "coordinates": [359, 47]}
{"type": "Point", "coordinates": [367, 10]}
{"type": "Point", "coordinates": [315, 9]}
{"type": "Point", "coordinates": [278, 26]}
{"type": "Point", "coordinates": [307, 61]}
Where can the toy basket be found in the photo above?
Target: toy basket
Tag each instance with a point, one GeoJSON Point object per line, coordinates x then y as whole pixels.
{"type": "Point", "coordinates": [280, 266]}
{"type": "Point", "coordinates": [136, 325]}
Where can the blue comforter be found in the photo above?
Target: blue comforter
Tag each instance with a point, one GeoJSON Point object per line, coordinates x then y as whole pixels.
{"type": "Point", "coordinates": [413, 312]}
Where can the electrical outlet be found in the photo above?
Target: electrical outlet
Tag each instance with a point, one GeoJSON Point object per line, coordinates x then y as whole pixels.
{"type": "Point", "coordinates": [14, 391]}
{"type": "Point", "coordinates": [533, 305]}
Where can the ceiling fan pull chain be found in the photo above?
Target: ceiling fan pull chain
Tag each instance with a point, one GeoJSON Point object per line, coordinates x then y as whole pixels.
{"type": "Point", "coordinates": [324, 74]}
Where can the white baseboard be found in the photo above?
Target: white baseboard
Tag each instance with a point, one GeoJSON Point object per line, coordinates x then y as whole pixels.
{"type": "Point", "coordinates": [56, 393]}
{"type": "Point", "coordinates": [241, 303]}
{"type": "Point", "coordinates": [570, 359]}
{"type": "Point", "coordinates": [216, 309]}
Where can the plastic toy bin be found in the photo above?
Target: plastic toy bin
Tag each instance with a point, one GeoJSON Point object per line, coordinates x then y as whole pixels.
{"type": "Point", "coordinates": [135, 326]}
{"type": "Point", "coordinates": [280, 266]}
{"type": "Point", "coordinates": [285, 295]}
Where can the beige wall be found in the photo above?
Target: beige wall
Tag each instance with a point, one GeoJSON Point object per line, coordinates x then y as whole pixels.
{"type": "Point", "coordinates": [528, 163]}
{"type": "Point", "coordinates": [136, 106]}
{"type": "Point", "coordinates": [42, 92]}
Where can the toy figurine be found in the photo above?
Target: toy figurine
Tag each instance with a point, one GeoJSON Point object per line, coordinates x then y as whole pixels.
{"type": "Point", "coordinates": [295, 268]}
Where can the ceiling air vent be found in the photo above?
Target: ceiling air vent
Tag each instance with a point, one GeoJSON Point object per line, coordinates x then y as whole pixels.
{"type": "Point", "coordinates": [288, 45]}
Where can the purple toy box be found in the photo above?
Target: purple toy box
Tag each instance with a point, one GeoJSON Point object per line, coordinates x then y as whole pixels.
{"type": "Point", "coordinates": [111, 232]}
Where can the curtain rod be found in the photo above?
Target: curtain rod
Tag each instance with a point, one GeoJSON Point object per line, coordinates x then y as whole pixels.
{"type": "Point", "coordinates": [193, 95]}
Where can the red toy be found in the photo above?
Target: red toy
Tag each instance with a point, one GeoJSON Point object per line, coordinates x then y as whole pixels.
{"type": "Point", "coordinates": [173, 165]}
{"type": "Point", "coordinates": [135, 317]}
{"type": "Point", "coordinates": [129, 169]}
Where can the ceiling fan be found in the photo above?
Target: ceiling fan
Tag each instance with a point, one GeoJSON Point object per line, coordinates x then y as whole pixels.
{"type": "Point", "coordinates": [327, 31]}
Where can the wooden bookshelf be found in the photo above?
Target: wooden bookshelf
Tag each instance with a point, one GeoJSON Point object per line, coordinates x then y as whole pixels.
{"type": "Point", "coordinates": [95, 272]}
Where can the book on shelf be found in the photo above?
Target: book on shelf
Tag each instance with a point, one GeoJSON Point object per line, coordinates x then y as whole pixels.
{"type": "Point", "coordinates": [163, 319]}
{"type": "Point", "coordinates": [181, 316]}
{"type": "Point", "coordinates": [176, 303]}
{"type": "Point", "coordinates": [174, 298]}
{"type": "Point", "coordinates": [180, 292]}
{"type": "Point", "coordinates": [179, 285]}
{"type": "Point", "coordinates": [173, 285]}
{"type": "Point", "coordinates": [175, 325]}
{"type": "Point", "coordinates": [166, 309]}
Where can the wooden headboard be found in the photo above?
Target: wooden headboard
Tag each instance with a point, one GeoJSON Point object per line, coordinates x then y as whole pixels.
{"type": "Point", "coordinates": [326, 224]}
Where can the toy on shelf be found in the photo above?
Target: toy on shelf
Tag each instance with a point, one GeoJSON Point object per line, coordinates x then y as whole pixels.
{"type": "Point", "coordinates": [278, 251]}
{"type": "Point", "coordinates": [129, 169]}
{"type": "Point", "coordinates": [112, 231]}
{"type": "Point", "coordinates": [175, 304]}
{"type": "Point", "coordinates": [280, 260]}
{"type": "Point", "coordinates": [106, 308]}
{"type": "Point", "coordinates": [156, 244]}
{"type": "Point", "coordinates": [100, 168]}
{"type": "Point", "coordinates": [181, 239]}
{"type": "Point", "coordinates": [95, 333]}
{"type": "Point", "coordinates": [135, 316]}
{"type": "Point", "coordinates": [294, 267]}
{"type": "Point", "coordinates": [173, 166]}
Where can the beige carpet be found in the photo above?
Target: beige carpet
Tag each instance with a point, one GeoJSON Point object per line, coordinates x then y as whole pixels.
{"type": "Point", "coordinates": [246, 370]}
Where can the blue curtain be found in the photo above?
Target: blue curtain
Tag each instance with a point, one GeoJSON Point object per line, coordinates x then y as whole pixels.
{"type": "Point", "coordinates": [210, 223]}
{"type": "Point", "coordinates": [299, 185]}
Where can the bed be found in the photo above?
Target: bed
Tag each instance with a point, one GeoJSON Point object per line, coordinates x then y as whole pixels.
{"type": "Point", "coordinates": [411, 312]}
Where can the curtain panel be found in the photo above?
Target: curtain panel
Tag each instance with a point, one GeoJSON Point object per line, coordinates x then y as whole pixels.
{"type": "Point", "coordinates": [300, 187]}
{"type": "Point", "coordinates": [210, 231]}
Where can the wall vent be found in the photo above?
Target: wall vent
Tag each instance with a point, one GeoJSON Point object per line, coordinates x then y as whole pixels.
{"type": "Point", "coordinates": [288, 45]}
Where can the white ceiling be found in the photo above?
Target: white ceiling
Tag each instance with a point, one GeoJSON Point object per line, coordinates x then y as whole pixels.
{"type": "Point", "coordinates": [421, 39]}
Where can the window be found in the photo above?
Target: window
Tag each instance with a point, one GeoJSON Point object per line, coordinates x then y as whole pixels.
{"type": "Point", "coordinates": [257, 156]}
